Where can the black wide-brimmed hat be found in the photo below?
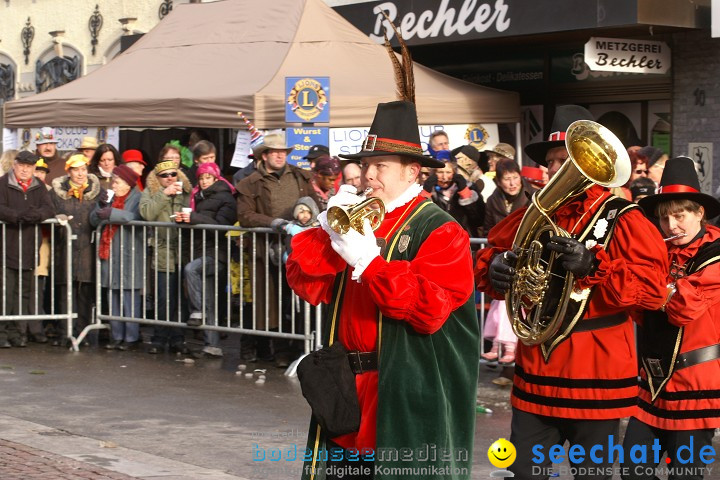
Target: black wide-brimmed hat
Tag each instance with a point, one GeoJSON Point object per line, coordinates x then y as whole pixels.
{"type": "Point", "coordinates": [394, 131]}
{"type": "Point", "coordinates": [564, 116]}
{"type": "Point", "coordinates": [680, 182]}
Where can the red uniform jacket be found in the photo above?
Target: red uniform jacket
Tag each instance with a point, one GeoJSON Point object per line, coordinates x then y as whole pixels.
{"type": "Point", "coordinates": [591, 375]}
{"type": "Point", "coordinates": [422, 292]}
{"type": "Point", "coordinates": [690, 399]}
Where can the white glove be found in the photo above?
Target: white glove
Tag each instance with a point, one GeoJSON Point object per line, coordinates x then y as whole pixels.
{"type": "Point", "coordinates": [357, 249]}
{"type": "Point", "coordinates": [346, 196]}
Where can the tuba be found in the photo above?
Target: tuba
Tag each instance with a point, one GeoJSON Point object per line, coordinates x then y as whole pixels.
{"type": "Point", "coordinates": [538, 298]}
{"type": "Point", "coordinates": [342, 219]}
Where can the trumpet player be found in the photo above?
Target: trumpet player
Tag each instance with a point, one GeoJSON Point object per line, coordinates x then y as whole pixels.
{"type": "Point", "coordinates": [402, 305]}
{"type": "Point", "coordinates": [576, 385]}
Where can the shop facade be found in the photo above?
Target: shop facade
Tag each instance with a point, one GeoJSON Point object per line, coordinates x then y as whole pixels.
{"type": "Point", "coordinates": [538, 50]}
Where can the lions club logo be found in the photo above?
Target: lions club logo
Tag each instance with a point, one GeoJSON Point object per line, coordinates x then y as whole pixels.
{"type": "Point", "coordinates": [307, 98]}
{"type": "Point", "coordinates": [477, 136]}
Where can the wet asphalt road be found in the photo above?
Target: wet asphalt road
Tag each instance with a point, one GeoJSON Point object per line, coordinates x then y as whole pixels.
{"type": "Point", "coordinates": [201, 413]}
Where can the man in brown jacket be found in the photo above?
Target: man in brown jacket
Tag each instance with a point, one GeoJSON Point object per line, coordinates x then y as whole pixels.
{"type": "Point", "coordinates": [266, 198]}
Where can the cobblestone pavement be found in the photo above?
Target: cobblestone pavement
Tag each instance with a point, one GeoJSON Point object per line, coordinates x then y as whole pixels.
{"type": "Point", "coordinates": [20, 462]}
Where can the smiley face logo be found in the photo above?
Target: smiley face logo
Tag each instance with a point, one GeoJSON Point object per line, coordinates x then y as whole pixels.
{"type": "Point", "coordinates": [501, 453]}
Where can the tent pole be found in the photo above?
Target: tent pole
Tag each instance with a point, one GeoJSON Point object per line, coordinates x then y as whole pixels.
{"type": "Point", "coordinates": [518, 143]}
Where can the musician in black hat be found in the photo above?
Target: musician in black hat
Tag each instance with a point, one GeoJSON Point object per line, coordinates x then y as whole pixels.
{"type": "Point", "coordinates": [409, 323]}
{"type": "Point", "coordinates": [582, 380]}
{"type": "Point", "coordinates": [680, 344]}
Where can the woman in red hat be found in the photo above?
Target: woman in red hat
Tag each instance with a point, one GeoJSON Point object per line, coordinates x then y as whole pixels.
{"type": "Point", "coordinates": [680, 343]}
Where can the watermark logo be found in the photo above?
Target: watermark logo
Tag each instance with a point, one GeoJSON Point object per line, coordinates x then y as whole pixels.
{"type": "Point", "coordinates": [502, 454]}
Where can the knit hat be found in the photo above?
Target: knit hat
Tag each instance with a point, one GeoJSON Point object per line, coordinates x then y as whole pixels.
{"type": "Point", "coordinates": [28, 158]}
{"type": "Point", "coordinates": [162, 166]}
{"type": "Point", "coordinates": [76, 160]}
{"type": "Point", "coordinates": [327, 165]}
{"type": "Point", "coordinates": [127, 174]}
{"type": "Point", "coordinates": [41, 165]}
{"type": "Point", "coordinates": [210, 167]}
{"type": "Point", "coordinates": [652, 154]}
{"type": "Point", "coordinates": [130, 156]}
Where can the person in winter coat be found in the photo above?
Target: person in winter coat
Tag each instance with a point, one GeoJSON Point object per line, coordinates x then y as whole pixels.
{"type": "Point", "coordinates": [24, 202]}
{"type": "Point", "coordinates": [167, 190]}
{"type": "Point", "coordinates": [75, 195]}
{"type": "Point", "coordinates": [121, 268]}
{"type": "Point", "coordinates": [457, 196]}
{"type": "Point", "coordinates": [212, 203]}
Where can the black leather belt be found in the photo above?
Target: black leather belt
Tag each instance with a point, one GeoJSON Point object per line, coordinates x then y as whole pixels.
{"type": "Point", "coordinates": [361, 362]}
{"type": "Point", "coordinates": [699, 355]}
{"type": "Point", "coordinates": [596, 323]}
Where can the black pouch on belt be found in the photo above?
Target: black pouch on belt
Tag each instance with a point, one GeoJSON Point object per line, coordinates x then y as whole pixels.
{"type": "Point", "coordinates": [328, 385]}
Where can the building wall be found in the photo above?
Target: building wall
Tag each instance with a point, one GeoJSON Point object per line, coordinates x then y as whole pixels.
{"type": "Point", "coordinates": [696, 96]}
{"type": "Point", "coordinates": [72, 17]}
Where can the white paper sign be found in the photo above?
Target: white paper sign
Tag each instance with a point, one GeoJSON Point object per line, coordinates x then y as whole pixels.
{"type": "Point", "coordinates": [10, 139]}
{"type": "Point", "coordinates": [627, 55]}
{"type": "Point", "coordinates": [349, 140]}
{"type": "Point", "coordinates": [240, 158]}
{"type": "Point", "coordinates": [702, 154]}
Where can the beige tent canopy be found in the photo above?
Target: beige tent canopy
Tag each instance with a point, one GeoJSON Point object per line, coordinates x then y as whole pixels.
{"type": "Point", "coordinates": [206, 61]}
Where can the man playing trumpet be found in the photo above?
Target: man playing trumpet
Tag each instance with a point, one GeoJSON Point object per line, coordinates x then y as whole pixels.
{"type": "Point", "coordinates": [577, 384]}
{"type": "Point", "coordinates": [401, 302]}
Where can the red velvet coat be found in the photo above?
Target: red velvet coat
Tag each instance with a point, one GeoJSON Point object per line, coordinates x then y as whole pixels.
{"type": "Point", "coordinates": [422, 292]}
{"type": "Point", "coordinates": [591, 375]}
{"type": "Point", "coordinates": [695, 306]}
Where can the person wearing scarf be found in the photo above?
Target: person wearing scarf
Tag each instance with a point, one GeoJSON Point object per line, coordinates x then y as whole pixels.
{"type": "Point", "coordinates": [74, 195]}
{"type": "Point", "coordinates": [125, 261]}
{"type": "Point", "coordinates": [212, 203]}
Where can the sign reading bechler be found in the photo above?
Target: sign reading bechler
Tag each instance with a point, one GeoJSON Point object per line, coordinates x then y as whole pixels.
{"type": "Point", "coordinates": [308, 99]}
{"type": "Point", "coordinates": [629, 56]}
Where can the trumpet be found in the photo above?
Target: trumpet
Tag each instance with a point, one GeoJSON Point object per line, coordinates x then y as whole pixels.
{"type": "Point", "coordinates": [342, 218]}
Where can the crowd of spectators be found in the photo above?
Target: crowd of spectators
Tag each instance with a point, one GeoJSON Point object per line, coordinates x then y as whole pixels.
{"type": "Point", "coordinates": [98, 185]}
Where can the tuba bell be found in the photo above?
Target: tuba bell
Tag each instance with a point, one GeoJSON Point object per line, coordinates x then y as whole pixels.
{"type": "Point", "coordinates": [342, 219]}
{"type": "Point", "coordinates": [538, 298]}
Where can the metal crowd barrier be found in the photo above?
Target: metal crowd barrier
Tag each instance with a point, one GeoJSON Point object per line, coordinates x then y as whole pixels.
{"type": "Point", "coordinates": [250, 249]}
{"type": "Point", "coordinates": [50, 236]}
{"type": "Point", "coordinates": [480, 298]}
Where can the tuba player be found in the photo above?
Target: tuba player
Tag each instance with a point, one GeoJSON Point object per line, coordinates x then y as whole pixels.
{"type": "Point", "coordinates": [577, 384]}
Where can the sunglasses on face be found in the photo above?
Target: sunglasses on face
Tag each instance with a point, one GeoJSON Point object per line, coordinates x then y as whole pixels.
{"type": "Point", "coordinates": [640, 172]}
{"type": "Point", "coordinates": [167, 174]}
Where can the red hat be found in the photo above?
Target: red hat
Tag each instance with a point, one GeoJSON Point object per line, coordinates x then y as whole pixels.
{"type": "Point", "coordinates": [127, 174]}
{"type": "Point", "coordinates": [533, 175]}
{"type": "Point", "coordinates": [130, 156]}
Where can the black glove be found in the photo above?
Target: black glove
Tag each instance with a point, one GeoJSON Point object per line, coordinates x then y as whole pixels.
{"type": "Point", "coordinates": [575, 257]}
{"type": "Point", "coordinates": [104, 213]}
{"type": "Point", "coordinates": [502, 271]}
{"type": "Point", "coordinates": [460, 181]}
{"type": "Point", "coordinates": [30, 216]}
{"type": "Point", "coordinates": [430, 183]}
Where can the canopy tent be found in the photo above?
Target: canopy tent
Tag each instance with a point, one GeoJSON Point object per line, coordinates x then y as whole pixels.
{"type": "Point", "coordinates": [206, 61]}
